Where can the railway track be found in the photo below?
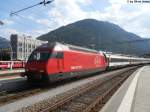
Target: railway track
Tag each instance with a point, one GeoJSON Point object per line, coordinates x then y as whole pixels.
{"type": "Point", "coordinates": [88, 98]}
{"type": "Point", "coordinates": [7, 98]}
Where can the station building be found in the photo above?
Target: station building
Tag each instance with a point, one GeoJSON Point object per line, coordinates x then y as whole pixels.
{"type": "Point", "coordinates": [22, 46]}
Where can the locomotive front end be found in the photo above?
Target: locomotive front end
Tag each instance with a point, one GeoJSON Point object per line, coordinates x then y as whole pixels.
{"type": "Point", "coordinates": [37, 64]}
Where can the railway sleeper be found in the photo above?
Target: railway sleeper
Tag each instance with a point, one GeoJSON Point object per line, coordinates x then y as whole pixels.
{"type": "Point", "coordinates": [84, 100]}
{"type": "Point", "coordinates": [76, 107]}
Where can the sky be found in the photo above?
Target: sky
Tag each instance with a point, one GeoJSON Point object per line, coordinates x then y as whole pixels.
{"type": "Point", "coordinates": [133, 17]}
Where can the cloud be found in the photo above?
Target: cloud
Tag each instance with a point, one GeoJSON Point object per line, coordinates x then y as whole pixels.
{"type": "Point", "coordinates": [8, 22]}
{"type": "Point", "coordinates": [132, 17]}
{"type": "Point", "coordinates": [45, 22]}
{"type": "Point", "coordinates": [6, 32]}
{"type": "Point", "coordinates": [117, 1]}
{"type": "Point", "coordinates": [36, 32]}
{"type": "Point", "coordinates": [68, 11]}
{"type": "Point", "coordinates": [128, 16]}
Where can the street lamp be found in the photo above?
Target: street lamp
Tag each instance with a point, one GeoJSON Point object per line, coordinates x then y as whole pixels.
{"type": "Point", "coordinates": [11, 55]}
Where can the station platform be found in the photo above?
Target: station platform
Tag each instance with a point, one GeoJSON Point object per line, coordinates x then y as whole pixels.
{"type": "Point", "coordinates": [14, 71]}
{"type": "Point", "coordinates": [133, 95]}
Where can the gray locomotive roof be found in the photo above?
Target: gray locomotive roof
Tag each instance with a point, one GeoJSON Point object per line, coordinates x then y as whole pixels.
{"type": "Point", "coordinates": [68, 46]}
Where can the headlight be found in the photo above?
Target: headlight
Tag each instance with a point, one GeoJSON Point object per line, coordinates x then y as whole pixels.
{"type": "Point", "coordinates": [27, 70]}
{"type": "Point", "coordinates": [41, 70]}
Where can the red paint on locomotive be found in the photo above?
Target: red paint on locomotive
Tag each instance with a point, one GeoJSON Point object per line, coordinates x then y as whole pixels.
{"type": "Point", "coordinates": [59, 61]}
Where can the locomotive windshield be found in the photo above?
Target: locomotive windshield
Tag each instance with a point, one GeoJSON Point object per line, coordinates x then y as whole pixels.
{"type": "Point", "coordinates": [39, 56]}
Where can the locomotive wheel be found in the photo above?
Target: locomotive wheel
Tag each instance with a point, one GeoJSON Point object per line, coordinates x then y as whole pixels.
{"type": "Point", "coordinates": [45, 79]}
{"type": "Point", "coordinates": [30, 78]}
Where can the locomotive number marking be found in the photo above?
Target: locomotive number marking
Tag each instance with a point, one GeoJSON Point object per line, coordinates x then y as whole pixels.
{"type": "Point", "coordinates": [76, 67]}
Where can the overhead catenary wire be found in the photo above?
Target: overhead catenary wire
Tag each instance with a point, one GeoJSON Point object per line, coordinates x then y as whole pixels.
{"type": "Point", "coordinates": [40, 3]}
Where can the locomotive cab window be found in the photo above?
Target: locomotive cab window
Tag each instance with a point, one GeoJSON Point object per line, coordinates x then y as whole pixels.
{"type": "Point", "coordinates": [39, 56]}
{"type": "Point", "coordinates": [57, 55]}
{"type": "Point", "coordinates": [60, 55]}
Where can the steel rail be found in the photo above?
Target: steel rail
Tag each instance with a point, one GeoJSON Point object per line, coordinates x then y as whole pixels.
{"type": "Point", "coordinates": [56, 105]}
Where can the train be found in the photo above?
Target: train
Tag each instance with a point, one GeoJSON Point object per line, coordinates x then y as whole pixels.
{"type": "Point", "coordinates": [122, 60]}
{"type": "Point", "coordinates": [12, 64]}
{"type": "Point", "coordinates": [57, 61]}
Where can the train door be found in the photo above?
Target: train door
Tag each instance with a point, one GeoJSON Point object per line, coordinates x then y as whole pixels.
{"type": "Point", "coordinates": [60, 61]}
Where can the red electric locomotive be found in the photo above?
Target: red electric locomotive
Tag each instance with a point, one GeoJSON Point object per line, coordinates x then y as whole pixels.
{"type": "Point", "coordinates": [58, 61]}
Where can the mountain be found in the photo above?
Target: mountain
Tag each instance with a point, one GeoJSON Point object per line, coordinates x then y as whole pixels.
{"type": "Point", "coordinates": [99, 35]}
{"type": "Point", "coordinates": [4, 43]}
{"type": "Point", "coordinates": [5, 49]}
